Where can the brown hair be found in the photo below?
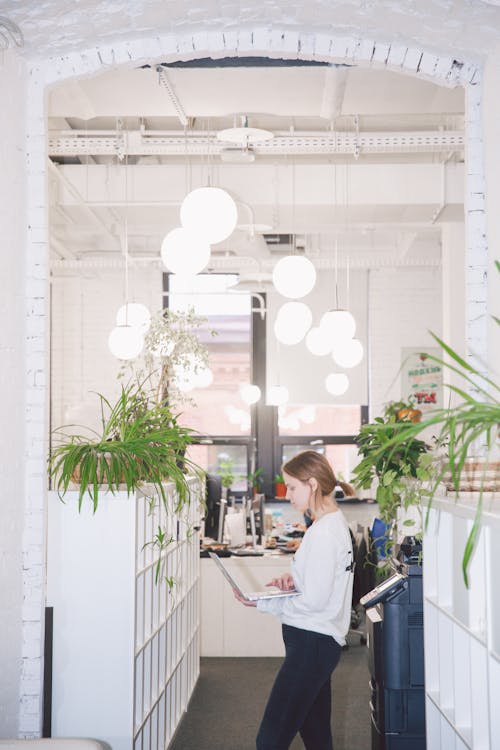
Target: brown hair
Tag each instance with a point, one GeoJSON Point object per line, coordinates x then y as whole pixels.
{"type": "Point", "coordinates": [310, 464]}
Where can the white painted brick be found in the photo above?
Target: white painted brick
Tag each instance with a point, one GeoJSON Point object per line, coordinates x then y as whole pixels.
{"type": "Point", "coordinates": [31, 649]}
{"type": "Point", "coordinates": [343, 47]}
{"type": "Point", "coordinates": [365, 49]}
{"type": "Point", "coordinates": [443, 67]}
{"type": "Point", "coordinates": [428, 64]}
{"type": "Point", "coordinates": [31, 669]}
{"type": "Point", "coordinates": [29, 725]}
{"type": "Point", "coordinates": [397, 54]}
{"type": "Point", "coordinates": [306, 49]}
{"type": "Point", "coordinates": [216, 44]}
{"type": "Point", "coordinates": [32, 613]}
{"type": "Point", "coordinates": [412, 59]}
{"type": "Point", "coordinates": [245, 41]}
{"type": "Point", "coordinates": [30, 687]}
{"type": "Point", "coordinates": [290, 43]}
{"type": "Point", "coordinates": [230, 40]}
{"type": "Point", "coordinates": [381, 53]}
{"type": "Point", "coordinates": [323, 46]}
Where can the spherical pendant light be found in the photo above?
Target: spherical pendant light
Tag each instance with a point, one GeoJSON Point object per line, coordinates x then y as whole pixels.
{"type": "Point", "coordinates": [249, 393]}
{"type": "Point", "coordinates": [318, 342]}
{"type": "Point", "coordinates": [337, 383]}
{"type": "Point", "coordinates": [185, 251]}
{"type": "Point", "coordinates": [134, 314]}
{"type": "Point", "coordinates": [125, 342]}
{"type": "Point", "coordinates": [348, 353]}
{"type": "Point", "coordinates": [211, 212]}
{"type": "Point", "coordinates": [338, 325]}
{"type": "Point", "coordinates": [294, 276]}
{"type": "Point", "coordinates": [203, 378]}
{"type": "Point", "coordinates": [277, 395]}
{"type": "Point", "coordinates": [292, 322]}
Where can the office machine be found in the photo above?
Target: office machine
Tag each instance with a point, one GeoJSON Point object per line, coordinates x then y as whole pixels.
{"type": "Point", "coordinates": [394, 615]}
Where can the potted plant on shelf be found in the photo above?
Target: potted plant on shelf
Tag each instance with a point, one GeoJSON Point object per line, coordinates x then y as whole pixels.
{"type": "Point", "coordinates": [138, 443]}
{"type": "Point", "coordinates": [139, 440]}
{"type": "Point", "coordinates": [279, 486]}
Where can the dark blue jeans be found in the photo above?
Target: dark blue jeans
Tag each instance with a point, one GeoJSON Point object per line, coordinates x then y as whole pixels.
{"type": "Point", "coordinates": [300, 699]}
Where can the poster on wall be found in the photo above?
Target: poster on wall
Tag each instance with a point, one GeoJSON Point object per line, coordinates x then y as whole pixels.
{"type": "Point", "coordinates": [422, 378]}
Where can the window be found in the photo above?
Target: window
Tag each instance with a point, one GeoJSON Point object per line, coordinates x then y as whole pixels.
{"type": "Point", "coordinates": [218, 409]}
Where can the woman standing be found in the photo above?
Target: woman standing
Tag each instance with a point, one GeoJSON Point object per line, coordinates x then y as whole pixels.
{"type": "Point", "coordinates": [315, 623]}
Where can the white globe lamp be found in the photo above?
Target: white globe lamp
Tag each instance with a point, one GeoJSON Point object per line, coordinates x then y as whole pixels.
{"type": "Point", "coordinates": [203, 378]}
{"type": "Point", "coordinates": [185, 251]}
{"type": "Point", "coordinates": [338, 325]}
{"type": "Point", "coordinates": [211, 212]}
{"type": "Point", "coordinates": [318, 342]}
{"type": "Point", "coordinates": [134, 314]}
{"type": "Point", "coordinates": [348, 353]}
{"type": "Point", "coordinates": [277, 395]}
{"type": "Point", "coordinates": [292, 322]}
{"type": "Point", "coordinates": [337, 383]}
{"type": "Point", "coordinates": [294, 276]}
{"type": "Point", "coordinates": [250, 393]}
{"type": "Point", "coordinates": [125, 342]}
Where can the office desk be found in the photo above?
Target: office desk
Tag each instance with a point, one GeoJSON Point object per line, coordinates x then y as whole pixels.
{"type": "Point", "coordinates": [228, 628]}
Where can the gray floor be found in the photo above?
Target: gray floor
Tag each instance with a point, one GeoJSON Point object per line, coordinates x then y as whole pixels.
{"type": "Point", "coordinates": [229, 699]}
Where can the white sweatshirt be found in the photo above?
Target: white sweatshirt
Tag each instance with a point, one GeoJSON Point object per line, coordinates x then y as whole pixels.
{"type": "Point", "coordinates": [321, 569]}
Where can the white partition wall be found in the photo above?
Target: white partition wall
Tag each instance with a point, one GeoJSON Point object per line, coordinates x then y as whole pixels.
{"type": "Point", "coordinates": [125, 647]}
{"type": "Point", "coordinates": [462, 626]}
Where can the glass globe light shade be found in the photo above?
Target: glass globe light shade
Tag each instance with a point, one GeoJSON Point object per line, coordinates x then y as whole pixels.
{"type": "Point", "coordinates": [134, 314]}
{"type": "Point", "coordinates": [292, 322]}
{"type": "Point", "coordinates": [277, 395]}
{"type": "Point", "coordinates": [185, 251]}
{"type": "Point", "coordinates": [125, 342]}
{"type": "Point", "coordinates": [348, 353]}
{"type": "Point", "coordinates": [338, 325]}
{"type": "Point", "coordinates": [294, 276]}
{"type": "Point", "coordinates": [203, 378]}
{"type": "Point", "coordinates": [318, 342]}
{"type": "Point", "coordinates": [211, 212]}
{"type": "Point", "coordinates": [337, 383]}
{"type": "Point", "coordinates": [249, 393]}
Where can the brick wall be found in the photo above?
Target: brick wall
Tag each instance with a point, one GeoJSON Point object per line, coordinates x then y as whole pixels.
{"type": "Point", "coordinates": [12, 212]}
{"type": "Point", "coordinates": [404, 304]}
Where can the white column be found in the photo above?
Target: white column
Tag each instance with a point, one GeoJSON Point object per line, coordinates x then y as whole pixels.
{"type": "Point", "coordinates": [12, 367]}
{"type": "Point", "coordinates": [491, 119]}
{"type": "Point", "coordinates": [453, 294]}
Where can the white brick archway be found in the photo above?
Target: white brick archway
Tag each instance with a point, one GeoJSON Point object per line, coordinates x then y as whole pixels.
{"type": "Point", "coordinates": [262, 42]}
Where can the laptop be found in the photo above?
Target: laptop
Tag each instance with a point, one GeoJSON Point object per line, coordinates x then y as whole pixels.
{"type": "Point", "coordinates": [251, 596]}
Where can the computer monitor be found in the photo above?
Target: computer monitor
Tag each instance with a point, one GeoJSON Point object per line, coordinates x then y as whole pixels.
{"type": "Point", "coordinates": [213, 498]}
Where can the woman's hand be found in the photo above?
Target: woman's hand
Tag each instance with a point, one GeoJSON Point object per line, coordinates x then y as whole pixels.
{"type": "Point", "coordinates": [284, 582]}
{"type": "Point", "coordinates": [238, 596]}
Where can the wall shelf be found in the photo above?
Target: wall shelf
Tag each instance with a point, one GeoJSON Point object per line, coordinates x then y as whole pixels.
{"type": "Point", "coordinates": [125, 647]}
{"type": "Point", "coordinates": [462, 627]}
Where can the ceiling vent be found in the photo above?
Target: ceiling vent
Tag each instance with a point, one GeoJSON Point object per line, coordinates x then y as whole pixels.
{"type": "Point", "coordinates": [285, 244]}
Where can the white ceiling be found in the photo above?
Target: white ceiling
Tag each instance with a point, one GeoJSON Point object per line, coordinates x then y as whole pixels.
{"type": "Point", "coordinates": [362, 160]}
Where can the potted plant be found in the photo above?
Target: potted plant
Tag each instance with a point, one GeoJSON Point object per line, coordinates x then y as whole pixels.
{"type": "Point", "coordinates": [255, 480]}
{"type": "Point", "coordinates": [470, 432]}
{"type": "Point", "coordinates": [173, 358]}
{"type": "Point", "coordinates": [400, 473]}
{"type": "Point", "coordinates": [138, 443]}
{"type": "Point", "coordinates": [226, 472]}
{"type": "Point", "coordinates": [279, 486]}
